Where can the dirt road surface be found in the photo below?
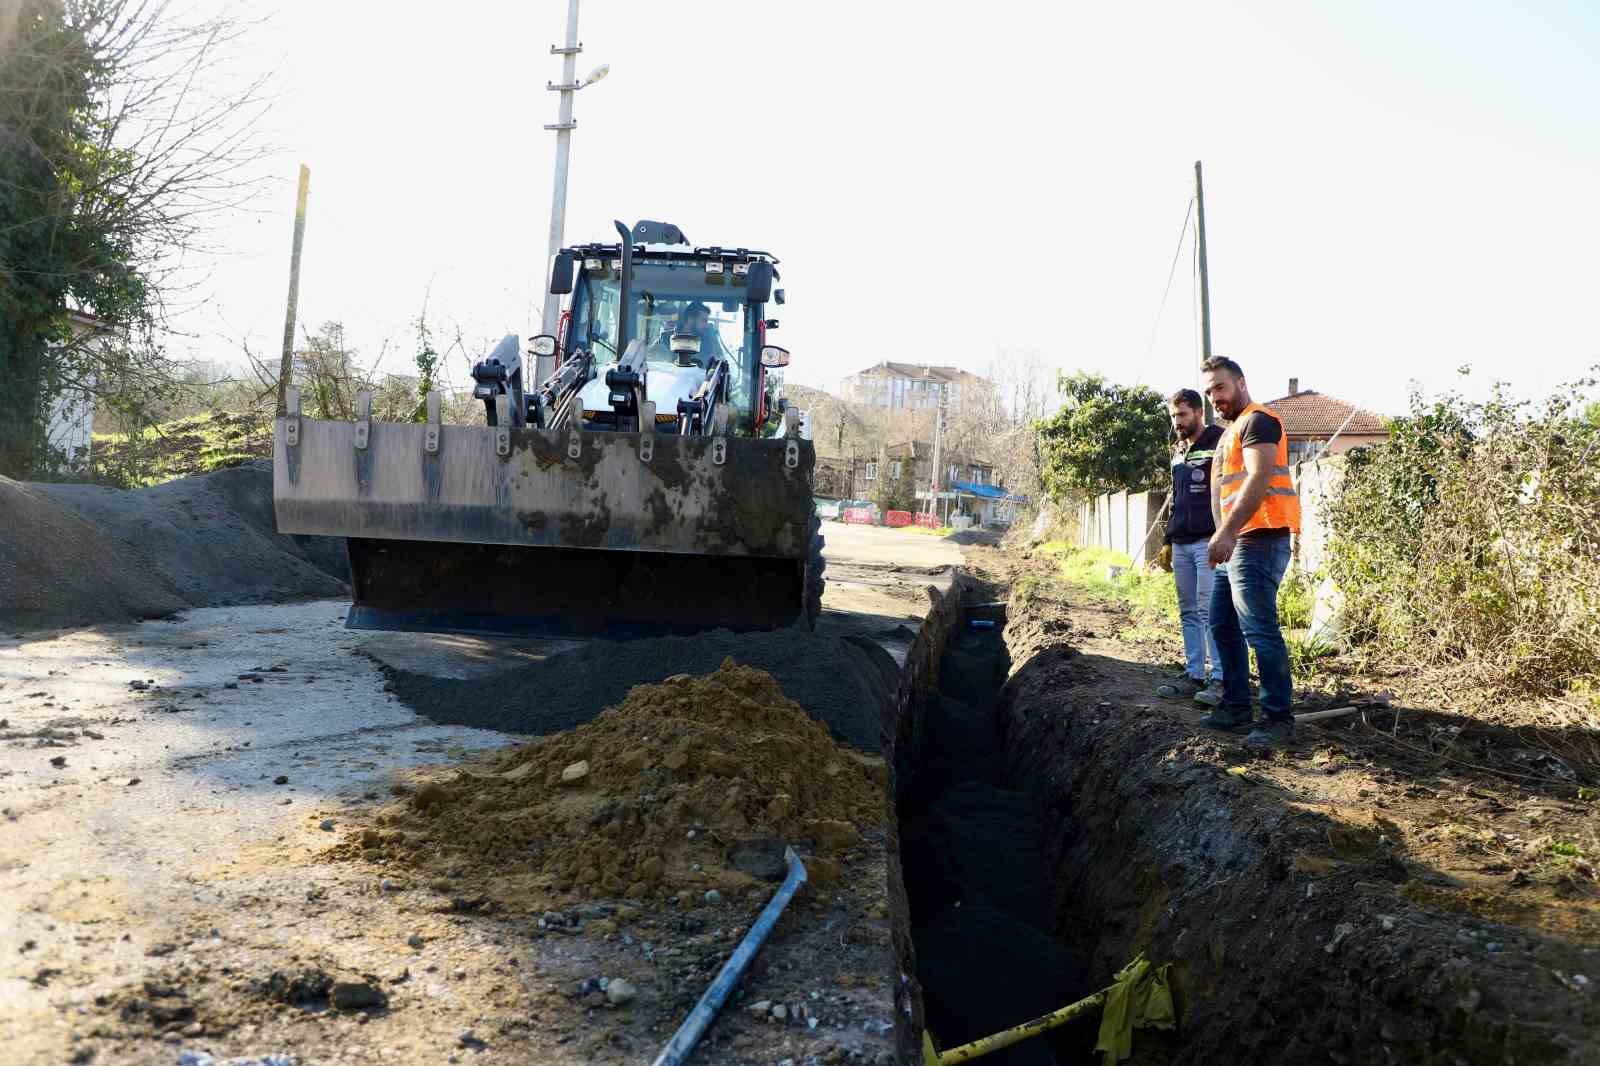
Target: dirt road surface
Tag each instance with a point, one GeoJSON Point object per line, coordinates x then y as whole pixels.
{"type": "Point", "coordinates": [167, 790]}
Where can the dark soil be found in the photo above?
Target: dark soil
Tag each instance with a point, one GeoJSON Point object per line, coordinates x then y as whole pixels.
{"type": "Point", "coordinates": [56, 569]}
{"type": "Point", "coordinates": [214, 537]}
{"type": "Point", "coordinates": [1306, 920]}
{"type": "Point", "coordinates": [87, 554]}
{"type": "Point", "coordinates": [842, 682]}
{"type": "Point", "coordinates": [972, 851]}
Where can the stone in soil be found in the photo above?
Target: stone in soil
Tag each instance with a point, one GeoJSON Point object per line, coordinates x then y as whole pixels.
{"type": "Point", "coordinates": [357, 995]}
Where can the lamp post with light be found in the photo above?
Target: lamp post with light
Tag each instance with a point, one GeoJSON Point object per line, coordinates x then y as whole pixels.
{"type": "Point", "coordinates": [563, 127]}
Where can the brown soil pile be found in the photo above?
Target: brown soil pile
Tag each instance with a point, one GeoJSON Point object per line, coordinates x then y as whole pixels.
{"type": "Point", "coordinates": [688, 785]}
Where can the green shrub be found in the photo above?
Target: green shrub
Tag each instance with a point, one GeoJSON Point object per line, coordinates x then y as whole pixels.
{"type": "Point", "coordinates": [1471, 539]}
{"type": "Point", "coordinates": [1295, 598]}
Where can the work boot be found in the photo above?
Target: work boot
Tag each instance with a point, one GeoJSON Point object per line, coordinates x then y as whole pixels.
{"type": "Point", "coordinates": [1228, 719]}
{"type": "Point", "coordinates": [1210, 695]}
{"type": "Point", "coordinates": [1271, 733]}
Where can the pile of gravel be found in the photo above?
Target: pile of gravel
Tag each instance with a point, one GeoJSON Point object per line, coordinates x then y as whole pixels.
{"type": "Point", "coordinates": [86, 554]}
{"type": "Point", "coordinates": [843, 682]}
{"type": "Point", "coordinates": [56, 569]}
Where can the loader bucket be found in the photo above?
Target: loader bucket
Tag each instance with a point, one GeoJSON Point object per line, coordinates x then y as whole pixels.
{"type": "Point", "coordinates": [564, 532]}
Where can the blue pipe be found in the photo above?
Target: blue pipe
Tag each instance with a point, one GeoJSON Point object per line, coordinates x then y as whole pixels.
{"type": "Point", "coordinates": [682, 1043]}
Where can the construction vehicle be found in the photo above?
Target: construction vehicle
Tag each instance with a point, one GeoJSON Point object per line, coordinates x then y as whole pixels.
{"type": "Point", "coordinates": [654, 482]}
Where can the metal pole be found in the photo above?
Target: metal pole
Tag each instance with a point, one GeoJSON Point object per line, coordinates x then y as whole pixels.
{"type": "Point", "coordinates": [545, 365]}
{"type": "Point", "coordinates": [1205, 277]}
{"type": "Point", "coordinates": [286, 364]}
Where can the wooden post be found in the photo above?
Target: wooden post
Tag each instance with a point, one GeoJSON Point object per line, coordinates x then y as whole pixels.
{"type": "Point", "coordinates": [286, 365]}
{"type": "Point", "coordinates": [1205, 279]}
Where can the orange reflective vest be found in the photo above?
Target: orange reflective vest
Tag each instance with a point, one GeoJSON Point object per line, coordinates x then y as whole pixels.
{"type": "Point", "coordinates": [1280, 507]}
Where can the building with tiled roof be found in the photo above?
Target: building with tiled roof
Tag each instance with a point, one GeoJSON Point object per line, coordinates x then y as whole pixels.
{"type": "Point", "coordinates": [1313, 418]}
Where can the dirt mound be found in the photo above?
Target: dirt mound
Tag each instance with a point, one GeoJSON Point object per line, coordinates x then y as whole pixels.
{"type": "Point", "coordinates": [73, 555]}
{"type": "Point", "coordinates": [57, 569]}
{"type": "Point", "coordinates": [213, 538]}
{"type": "Point", "coordinates": [844, 683]}
{"type": "Point", "coordinates": [671, 792]}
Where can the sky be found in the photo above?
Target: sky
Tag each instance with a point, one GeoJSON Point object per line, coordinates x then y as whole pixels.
{"type": "Point", "coordinates": [1393, 190]}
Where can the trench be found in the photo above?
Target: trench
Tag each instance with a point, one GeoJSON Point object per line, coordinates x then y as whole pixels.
{"type": "Point", "coordinates": [972, 851]}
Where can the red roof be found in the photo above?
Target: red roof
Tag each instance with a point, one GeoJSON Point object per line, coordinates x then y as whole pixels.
{"type": "Point", "coordinates": [1309, 413]}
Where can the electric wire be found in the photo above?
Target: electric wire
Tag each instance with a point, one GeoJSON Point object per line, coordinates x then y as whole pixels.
{"type": "Point", "coordinates": [1155, 327]}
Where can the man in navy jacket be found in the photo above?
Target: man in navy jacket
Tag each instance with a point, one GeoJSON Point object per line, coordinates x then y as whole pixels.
{"type": "Point", "coordinates": [1189, 529]}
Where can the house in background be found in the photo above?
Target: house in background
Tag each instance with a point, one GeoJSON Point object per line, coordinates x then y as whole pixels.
{"type": "Point", "coordinates": [909, 386]}
{"type": "Point", "coordinates": [966, 483]}
{"type": "Point", "coordinates": [1312, 419]}
{"type": "Point", "coordinates": [70, 428]}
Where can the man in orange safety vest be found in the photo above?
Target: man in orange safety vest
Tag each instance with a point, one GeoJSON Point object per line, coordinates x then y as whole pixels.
{"type": "Point", "coordinates": [1256, 510]}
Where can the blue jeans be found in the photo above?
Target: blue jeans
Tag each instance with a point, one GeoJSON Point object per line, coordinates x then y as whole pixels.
{"type": "Point", "coordinates": [1192, 572]}
{"type": "Point", "coordinates": [1244, 612]}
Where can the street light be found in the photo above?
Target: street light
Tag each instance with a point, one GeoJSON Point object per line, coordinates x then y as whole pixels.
{"type": "Point", "coordinates": [545, 365]}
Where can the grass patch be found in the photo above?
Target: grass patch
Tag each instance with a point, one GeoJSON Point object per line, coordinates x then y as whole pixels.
{"type": "Point", "coordinates": [183, 447]}
{"type": "Point", "coordinates": [939, 531]}
{"type": "Point", "coordinates": [1152, 594]}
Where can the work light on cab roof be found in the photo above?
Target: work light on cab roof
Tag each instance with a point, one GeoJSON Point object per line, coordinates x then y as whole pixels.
{"type": "Point", "coordinates": [655, 480]}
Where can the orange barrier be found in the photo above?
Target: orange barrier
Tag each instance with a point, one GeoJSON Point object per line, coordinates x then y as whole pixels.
{"type": "Point", "coordinates": [860, 516]}
{"type": "Point", "coordinates": [928, 521]}
{"type": "Point", "coordinates": [897, 518]}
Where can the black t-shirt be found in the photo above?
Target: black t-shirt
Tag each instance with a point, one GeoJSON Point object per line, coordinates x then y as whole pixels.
{"type": "Point", "coordinates": [1257, 427]}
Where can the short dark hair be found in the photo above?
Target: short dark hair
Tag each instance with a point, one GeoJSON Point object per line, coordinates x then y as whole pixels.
{"type": "Point", "coordinates": [1222, 362]}
{"type": "Point", "coordinates": [1188, 397]}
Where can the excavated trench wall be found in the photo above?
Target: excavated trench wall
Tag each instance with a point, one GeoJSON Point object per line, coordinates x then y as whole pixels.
{"type": "Point", "coordinates": [903, 735]}
{"type": "Point", "coordinates": [1289, 935]}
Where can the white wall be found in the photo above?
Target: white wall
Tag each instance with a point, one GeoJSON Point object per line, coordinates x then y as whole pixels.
{"type": "Point", "coordinates": [71, 427]}
{"type": "Point", "coordinates": [1133, 523]}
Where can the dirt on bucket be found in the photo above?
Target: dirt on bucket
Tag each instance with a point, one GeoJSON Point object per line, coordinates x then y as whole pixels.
{"type": "Point", "coordinates": [691, 784]}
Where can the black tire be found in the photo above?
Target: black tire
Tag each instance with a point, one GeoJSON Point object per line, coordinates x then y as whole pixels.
{"type": "Point", "coordinates": [815, 565]}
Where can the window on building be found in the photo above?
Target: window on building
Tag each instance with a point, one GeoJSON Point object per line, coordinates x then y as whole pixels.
{"type": "Point", "coordinates": [955, 472]}
{"type": "Point", "coordinates": [871, 472]}
{"type": "Point", "coordinates": [894, 470]}
{"type": "Point", "coordinates": [977, 476]}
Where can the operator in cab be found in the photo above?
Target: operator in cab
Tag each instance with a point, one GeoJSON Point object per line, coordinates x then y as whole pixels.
{"type": "Point", "coordinates": [694, 320]}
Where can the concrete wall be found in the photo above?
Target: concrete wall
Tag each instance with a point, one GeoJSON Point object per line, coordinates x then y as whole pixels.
{"type": "Point", "coordinates": [1135, 524]}
{"type": "Point", "coordinates": [1129, 522]}
{"type": "Point", "coordinates": [1317, 484]}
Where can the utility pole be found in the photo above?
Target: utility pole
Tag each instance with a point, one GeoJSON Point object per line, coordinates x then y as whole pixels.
{"type": "Point", "coordinates": [1205, 277]}
{"type": "Point", "coordinates": [938, 450]}
{"type": "Point", "coordinates": [286, 365]}
{"type": "Point", "coordinates": [563, 126]}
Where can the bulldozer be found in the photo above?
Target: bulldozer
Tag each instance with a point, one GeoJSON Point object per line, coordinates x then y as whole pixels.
{"type": "Point", "coordinates": [655, 481]}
